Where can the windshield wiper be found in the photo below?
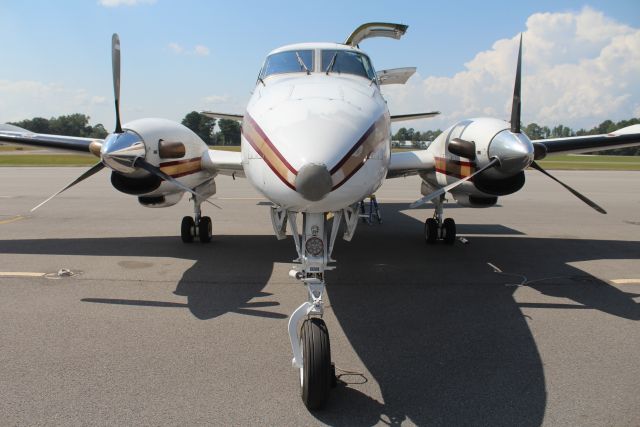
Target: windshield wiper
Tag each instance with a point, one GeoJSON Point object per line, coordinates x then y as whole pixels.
{"type": "Point", "coordinates": [302, 64]}
{"type": "Point", "coordinates": [332, 63]}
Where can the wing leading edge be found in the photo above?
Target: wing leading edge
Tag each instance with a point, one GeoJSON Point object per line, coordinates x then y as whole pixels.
{"type": "Point", "coordinates": [16, 135]}
{"type": "Point", "coordinates": [625, 137]}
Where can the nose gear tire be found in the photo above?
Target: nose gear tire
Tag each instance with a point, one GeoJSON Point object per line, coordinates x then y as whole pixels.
{"type": "Point", "coordinates": [317, 373]}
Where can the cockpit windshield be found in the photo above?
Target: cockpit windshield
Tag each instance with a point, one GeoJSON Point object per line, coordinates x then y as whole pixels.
{"type": "Point", "coordinates": [347, 61]}
{"type": "Point", "coordinates": [292, 61]}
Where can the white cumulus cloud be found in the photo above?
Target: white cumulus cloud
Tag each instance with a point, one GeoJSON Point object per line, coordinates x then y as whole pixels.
{"type": "Point", "coordinates": [201, 50]}
{"type": "Point", "coordinates": [175, 48]}
{"type": "Point", "coordinates": [216, 99]}
{"type": "Point", "coordinates": [25, 99]}
{"type": "Point", "coordinates": [198, 50]}
{"type": "Point", "coordinates": [579, 69]}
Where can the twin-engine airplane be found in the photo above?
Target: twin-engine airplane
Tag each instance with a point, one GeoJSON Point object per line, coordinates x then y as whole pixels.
{"type": "Point", "coordinates": [315, 141]}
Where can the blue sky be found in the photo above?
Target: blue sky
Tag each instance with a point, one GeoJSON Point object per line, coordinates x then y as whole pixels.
{"type": "Point", "coordinates": [179, 56]}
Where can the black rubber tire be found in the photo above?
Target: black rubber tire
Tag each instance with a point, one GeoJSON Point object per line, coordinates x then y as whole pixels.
{"type": "Point", "coordinates": [449, 227]}
{"type": "Point", "coordinates": [317, 374]}
{"type": "Point", "coordinates": [187, 228]}
{"type": "Point", "coordinates": [205, 229]}
{"type": "Point", "coordinates": [430, 231]}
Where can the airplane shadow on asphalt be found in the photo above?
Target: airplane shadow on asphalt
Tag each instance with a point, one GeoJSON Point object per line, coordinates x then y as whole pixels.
{"type": "Point", "coordinates": [436, 327]}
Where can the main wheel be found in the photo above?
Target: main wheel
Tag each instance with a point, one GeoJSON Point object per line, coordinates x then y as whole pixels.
{"type": "Point", "coordinates": [187, 229]}
{"type": "Point", "coordinates": [316, 373]}
{"type": "Point", "coordinates": [205, 229]}
{"type": "Point", "coordinates": [430, 230]}
{"type": "Point", "coordinates": [449, 226]}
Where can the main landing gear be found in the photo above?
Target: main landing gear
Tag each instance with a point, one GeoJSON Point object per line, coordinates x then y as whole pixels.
{"type": "Point", "coordinates": [310, 343]}
{"type": "Point", "coordinates": [438, 229]}
{"type": "Point", "coordinates": [199, 226]}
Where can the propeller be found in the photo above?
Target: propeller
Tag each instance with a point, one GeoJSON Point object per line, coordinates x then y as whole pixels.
{"type": "Point", "coordinates": [451, 186]}
{"type": "Point", "coordinates": [154, 170]}
{"type": "Point", "coordinates": [94, 169]}
{"type": "Point", "coordinates": [515, 105]}
{"type": "Point", "coordinates": [589, 202]}
{"type": "Point", "coordinates": [115, 66]}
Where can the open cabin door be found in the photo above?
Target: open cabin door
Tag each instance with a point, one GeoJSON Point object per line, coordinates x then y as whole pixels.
{"type": "Point", "coordinates": [376, 29]}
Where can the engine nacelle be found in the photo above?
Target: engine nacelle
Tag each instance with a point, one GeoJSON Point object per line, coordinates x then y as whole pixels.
{"type": "Point", "coordinates": [134, 186]}
{"type": "Point", "coordinates": [475, 201]}
{"type": "Point", "coordinates": [499, 186]}
{"type": "Point", "coordinates": [162, 201]}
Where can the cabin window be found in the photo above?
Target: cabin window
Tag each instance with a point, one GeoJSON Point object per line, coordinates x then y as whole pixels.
{"type": "Point", "coordinates": [347, 61]}
{"type": "Point", "coordinates": [293, 61]}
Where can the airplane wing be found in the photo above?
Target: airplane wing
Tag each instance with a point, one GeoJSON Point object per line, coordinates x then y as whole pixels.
{"type": "Point", "coordinates": [223, 162]}
{"type": "Point", "coordinates": [226, 116]}
{"type": "Point", "coordinates": [19, 136]}
{"type": "Point", "coordinates": [413, 116]}
{"type": "Point", "coordinates": [410, 163]}
{"type": "Point", "coordinates": [625, 137]}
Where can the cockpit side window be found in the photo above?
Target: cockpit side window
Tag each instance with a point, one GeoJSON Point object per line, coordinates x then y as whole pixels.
{"type": "Point", "coordinates": [349, 62]}
{"type": "Point", "coordinates": [293, 61]}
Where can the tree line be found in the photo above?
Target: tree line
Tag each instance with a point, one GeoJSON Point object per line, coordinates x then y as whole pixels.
{"type": "Point", "coordinates": [227, 132]}
{"type": "Point", "coordinates": [535, 131]}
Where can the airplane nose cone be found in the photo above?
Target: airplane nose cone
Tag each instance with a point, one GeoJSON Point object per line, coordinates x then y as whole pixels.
{"type": "Point", "coordinates": [514, 150]}
{"type": "Point", "coordinates": [313, 182]}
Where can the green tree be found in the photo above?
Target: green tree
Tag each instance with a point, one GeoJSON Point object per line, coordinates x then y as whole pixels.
{"type": "Point", "coordinates": [534, 131]}
{"type": "Point", "coordinates": [229, 132]}
{"type": "Point", "coordinates": [99, 131]}
{"type": "Point", "coordinates": [201, 125]}
{"type": "Point", "coordinates": [401, 135]}
{"type": "Point", "coordinates": [71, 125]}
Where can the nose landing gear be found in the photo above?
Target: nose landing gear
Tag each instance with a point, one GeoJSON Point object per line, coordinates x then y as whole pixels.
{"type": "Point", "coordinates": [310, 344]}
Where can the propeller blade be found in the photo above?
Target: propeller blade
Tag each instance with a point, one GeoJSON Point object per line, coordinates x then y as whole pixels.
{"type": "Point", "coordinates": [142, 163]}
{"type": "Point", "coordinates": [515, 106]}
{"type": "Point", "coordinates": [574, 192]}
{"type": "Point", "coordinates": [115, 64]}
{"type": "Point", "coordinates": [95, 168]}
{"type": "Point", "coordinates": [451, 186]}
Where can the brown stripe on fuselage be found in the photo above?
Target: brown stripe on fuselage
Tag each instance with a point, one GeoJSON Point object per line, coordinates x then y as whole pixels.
{"type": "Point", "coordinates": [179, 168]}
{"type": "Point", "coordinates": [269, 153]}
{"type": "Point", "coordinates": [455, 168]}
{"type": "Point", "coordinates": [355, 158]}
{"type": "Point", "coordinates": [359, 153]}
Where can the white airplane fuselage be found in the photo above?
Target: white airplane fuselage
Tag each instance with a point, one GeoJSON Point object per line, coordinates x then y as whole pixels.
{"type": "Point", "coordinates": [326, 132]}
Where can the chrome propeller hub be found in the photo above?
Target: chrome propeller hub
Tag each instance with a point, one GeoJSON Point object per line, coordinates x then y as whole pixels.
{"type": "Point", "coordinates": [120, 151]}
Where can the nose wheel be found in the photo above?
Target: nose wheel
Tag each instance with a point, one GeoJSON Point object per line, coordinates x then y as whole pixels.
{"type": "Point", "coordinates": [317, 372]}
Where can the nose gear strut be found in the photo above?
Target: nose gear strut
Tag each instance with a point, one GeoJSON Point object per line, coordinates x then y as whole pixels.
{"type": "Point", "coordinates": [310, 344]}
